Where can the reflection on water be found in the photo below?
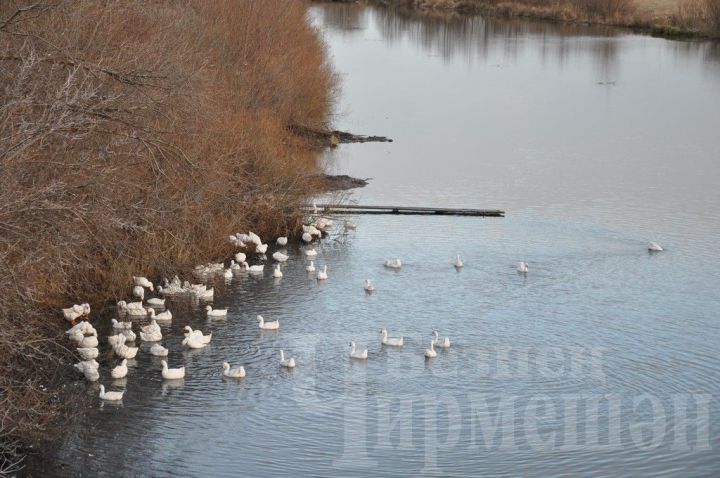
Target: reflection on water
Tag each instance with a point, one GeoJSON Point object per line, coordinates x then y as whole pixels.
{"type": "Point", "coordinates": [602, 360]}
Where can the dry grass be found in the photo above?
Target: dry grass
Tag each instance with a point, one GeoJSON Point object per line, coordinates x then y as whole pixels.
{"type": "Point", "coordinates": [136, 136]}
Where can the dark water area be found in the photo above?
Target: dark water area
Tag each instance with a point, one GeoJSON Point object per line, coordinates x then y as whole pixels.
{"type": "Point", "coordinates": [601, 361]}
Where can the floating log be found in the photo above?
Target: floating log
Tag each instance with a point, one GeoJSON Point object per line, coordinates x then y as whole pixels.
{"type": "Point", "coordinates": [358, 209]}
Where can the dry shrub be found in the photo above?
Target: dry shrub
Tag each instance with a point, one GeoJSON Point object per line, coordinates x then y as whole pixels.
{"type": "Point", "coordinates": [699, 15]}
{"type": "Point", "coordinates": [712, 11]}
{"type": "Point", "coordinates": [136, 136]}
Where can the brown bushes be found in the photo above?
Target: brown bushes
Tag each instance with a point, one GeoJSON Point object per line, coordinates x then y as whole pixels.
{"type": "Point", "coordinates": [136, 136]}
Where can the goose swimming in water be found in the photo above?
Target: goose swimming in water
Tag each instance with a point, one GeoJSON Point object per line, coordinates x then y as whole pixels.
{"type": "Point", "coordinates": [393, 263]}
{"type": "Point", "coordinates": [233, 372]}
{"type": "Point", "coordinates": [360, 355]}
{"type": "Point", "coordinates": [430, 353]}
{"type": "Point", "coordinates": [281, 241]}
{"type": "Point", "coordinates": [120, 371]}
{"type": "Point", "coordinates": [307, 237]}
{"type": "Point", "coordinates": [523, 267]}
{"type": "Point", "coordinates": [311, 267]}
{"type": "Point", "coordinates": [143, 282]}
{"type": "Point", "coordinates": [150, 328]}
{"type": "Point", "coordinates": [311, 253]}
{"type": "Point", "coordinates": [198, 335]}
{"type": "Point", "coordinates": [240, 257]}
{"type": "Point", "coordinates": [172, 373]}
{"type": "Point", "coordinates": [138, 292]}
{"type": "Point", "coordinates": [156, 302]}
{"type": "Point", "coordinates": [234, 266]}
{"type": "Point", "coordinates": [161, 317]}
{"type": "Point", "coordinates": [110, 396]}
{"type": "Point", "coordinates": [655, 247]}
{"type": "Point", "coordinates": [444, 343]}
{"type": "Point", "coordinates": [88, 353]}
{"type": "Point", "coordinates": [280, 257]}
{"type": "Point", "coordinates": [158, 350]}
{"type": "Point", "coordinates": [261, 248]}
{"type": "Point", "coordinates": [393, 342]}
{"type": "Point", "coordinates": [227, 273]}
{"type": "Point", "coordinates": [368, 286]}
{"type": "Point", "coordinates": [458, 262]}
{"type": "Point", "coordinates": [273, 325]}
{"type": "Point", "coordinates": [256, 268]}
{"type": "Point", "coordinates": [277, 273]}
{"type": "Point", "coordinates": [193, 342]}
{"type": "Point", "coordinates": [215, 313]}
{"type": "Point", "coordinates": [322, 275]}
{"type": "Point", "coordinates": [287, 363]}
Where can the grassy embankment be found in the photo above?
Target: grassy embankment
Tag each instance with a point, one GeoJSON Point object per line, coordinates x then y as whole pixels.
{"type": "Point", "coordinates": [661, 17]}
{"type": "Point", "coordinates": [136, 136]}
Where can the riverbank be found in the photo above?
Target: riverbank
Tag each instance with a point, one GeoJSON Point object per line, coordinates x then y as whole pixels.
{"type": "Point", "coordinates": [136, 150]}
{"type": "Point", "coordinates": [668, 18]}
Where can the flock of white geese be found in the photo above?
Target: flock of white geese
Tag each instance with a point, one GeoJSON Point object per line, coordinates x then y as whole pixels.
{"type": "Point", "coordinates": [85, 336]}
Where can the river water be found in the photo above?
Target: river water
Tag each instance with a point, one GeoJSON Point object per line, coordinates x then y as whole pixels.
{"type": "Point", "coordinates": [602, 360]}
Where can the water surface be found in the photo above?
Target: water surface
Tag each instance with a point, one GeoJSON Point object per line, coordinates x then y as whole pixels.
{"type": "Point", "coordinates": [602, 360]}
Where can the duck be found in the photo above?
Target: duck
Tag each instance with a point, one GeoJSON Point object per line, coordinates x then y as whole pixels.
{"type": "Point", "coordinates": [273, 325]}
{"type": "Point", "coordinates": [215, 313]}
{"type": "Point", "coordinates": [227, 274]}
{"type": "Point", "coordinates": [114, 340]}
{"type": "Point", "coordinates": [350, 226]}
{"type": "Point", "coordinates": [172, 373]}
{"type": "Point", "coordinates": [523, 267]}
{"type": "Point", "coordinates": [458, 262]}
{"type": "Point", "coordinates": [123, 351]}
{"type": "Point", "coordinates": [280, 257]}
{"type": "Point", "coordinates": [393, 342]}
{"type": "Point", "coordinates": [655, 247]}
{"type": "Point", "coordinates": [162, 316]}
{"type": "Point", "coordinates": [73, 313]}
{"type": "Point", "coordinates": [154, 336]}
{"type": "Point", "coordinates": [254, 238]}
{"type": "Point", "coordinates": [132, 308]}
{"type": "Point", "coordinates": [142, 282]}
{"type": "Point", "coordinates": [430, 353]}
{"type": "Point", "coordinates": [88, 342]}
{"type": "Point", "coordinates": [205, 339]}
{"type": "Point", "coordinates": [240, 257]}
{"type": "Point", "coordinates": [92, 375]}
{"type": "Point", "coordinates": [322, 275]}
{"type": "Point", "coordinates": [120, 371]}
{"type": "Point", "coordinates": [110, 396]}
{"type": "Point", "coordinates": [261, 248]}
{"type": "Point", "coordinates": [368, 286]}
{"type": "Point", "coordinates": [393, 263]}
{"type": "Point", "coordinates": [256, 268]}
{"type": "Point", "coordinates": [156, 302]}
{"type": "Point", "coordinates": [360, 355]}
{"type": "Point", "coordinates": [158, 350]}
{"type": "Point", "coordinates": [117, 325]}
{"type": "Point", "coordinates": [128, 334]}
{"type": "Point", "coordinates": [311, 252]}
{"type": "Point", "coordinates": [86, 364]}
{"type": "Point", "coordinates": [444, 343]}
{"type": "Point", "coordinates": [307, 237]}
{"type": "Point", "coordinates": [206, 294]}
{"type": "Point", "coordinates": [311, 267]}
{"type": "Point", "coordinates": [88, 353]}
{"type": "Point", "coordinates": [277, 273]}
{"type": "Point", "coordinates": [233, 372]}
{"type": "Point", "coordinates": [82, 327]}
{"type": "Point", "coordinates": [281, 241]}
{"type": "Point", "coordinates": [234, 266]}
{"type": "Point", "coordinates": [151, 327]}
{"type": "Point", "coordinates": [138, 292]}
{"type": "Point", "coordinates": [287, 363]}
{"type": "Point", "coordinates": [193, 342]}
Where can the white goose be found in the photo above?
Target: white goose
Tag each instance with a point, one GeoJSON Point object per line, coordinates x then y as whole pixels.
{"type": "Point", "coordinates": [215, 313]}
{"type": "Point", "coordinates": [360, 355]}
{"type": "Point", "coordinates": [393, 342]}
{"type": "Point", "coordinates": [368, 286]}
{"type": "Point", "coordinates": [280, 257]}
{"type": "Point", "coordinates": [311, 252]}
{"type": "Point", "coordinates": [205, 339]}
{"type": "Point", "coordinates": [655, 247]}
{"type": "Point", "coordinates": [393, 263]}
{"type": "Point", "coordinates": [281, 241]}
{"type": "Point", "coordinates": [261, 248]}
{"type": "Point", "coordinates": [273, 325]}
{"type": "Point", "coordinates": [311, 267]}
{"type": "Point", "coordinates": [523, 267]}
{"type": "Point", "coordinates": [132, 308]}
{"type": "Point", "coordinates": [193, 342]}
{"type": "Point", "coordinates": [114, 340]}
{"type": "Point", "coordinates": [71, 314]}
{"type": "Point", "coordinates": [172, 373]}
{"type": "Point", "coordinates": [444, 343]}
{"type": "Point", "coordinates": [206, 294]}
{"type": "Point", "coordinates": [254, 238]}
{"type": "Point", "coordinates": [256, 268]}
{"type": "Point", "coordinates": [322, 275]}
{"type": "Point", "coordinates": [142, 282]}
{"type": "Point", "coordinates": [430, 353]}
{"type": "Point", "coordinates": [240, 257]}
{"type": "Point", "coordinates": [86, 364]}
{"type": "Point", "coordinates": [161, 317]}
{"type": "Point", "coordinates": [154, 336]}
{"type": "Point", "coordinates": [458, 262]}
{"type": "Point", "coordinates": [138, 292]}
{"type": "Point", "coordinates": [234, 265]}
{"type": "Point", "coordinates": [110, 396]}
{"type": "Point", "coordinates": [287, 363]}
{"type": "Point", "coordinates": [277, 273]}
{"type": "Point", "coordinates": [120, 371]}
{"type": "Point", "coordinates": [233, 372]}
{"type": "Point", "coordinates": [156, 302]}
{"type": "Point", "coordinates": [123, 351]}
{"type": "Point", "coordinates": [307, 237]}
{"type": "Point", "coordinates": [228, 274]}
{"type": "Point", "coordinates": [88, 353]}
{"type": "Point", "coordinates": [158, 350]}
{"type": "Point", "coordinates": [116, 325]}
{"type": "Point", "coordinates": [92, 375]}
{"type": "Point", "coordinates": [88, 342]}
{"type": "Point", "coordinates": [128, 334]}
{"type": "Point", "coordinates": [81, 327]}
{"type": "Point", "coordinates": [150, 328]}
